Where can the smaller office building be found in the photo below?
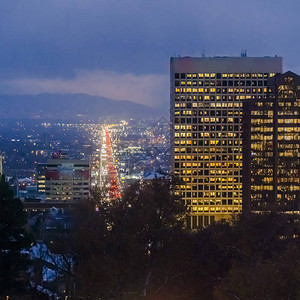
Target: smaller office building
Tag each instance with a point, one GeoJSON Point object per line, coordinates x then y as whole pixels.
{"type": "Point", "coordinates": [271, 147]}
{"type": "Point", "coordinates": [64, 180]}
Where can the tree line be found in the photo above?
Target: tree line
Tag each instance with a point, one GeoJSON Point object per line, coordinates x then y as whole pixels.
{"type": "Point", "coordinates": [138, 248]}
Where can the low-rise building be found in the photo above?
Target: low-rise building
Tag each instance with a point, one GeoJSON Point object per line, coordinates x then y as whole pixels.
{"type": "Point", "coordinates": [64, 179]}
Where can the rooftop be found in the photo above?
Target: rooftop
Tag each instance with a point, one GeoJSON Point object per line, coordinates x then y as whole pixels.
{"type": "Point", "coordinates": [226, 64]}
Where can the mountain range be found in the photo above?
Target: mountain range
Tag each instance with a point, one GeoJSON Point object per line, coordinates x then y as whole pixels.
{"type": "Point", "coordinates": [71, 107]}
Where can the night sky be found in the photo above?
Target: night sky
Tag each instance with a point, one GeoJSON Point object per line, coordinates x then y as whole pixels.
{"type": "Point", "coordinates": [121, 49]}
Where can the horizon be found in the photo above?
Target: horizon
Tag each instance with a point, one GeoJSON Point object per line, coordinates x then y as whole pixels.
{"type": "Point", "coordinates": [122, 50]}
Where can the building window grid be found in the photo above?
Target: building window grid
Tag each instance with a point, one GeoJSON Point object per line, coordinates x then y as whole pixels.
{"type": "Point", "coordinates": [209, 98]}
{"type": "Point", "coordinates": [288, 140]}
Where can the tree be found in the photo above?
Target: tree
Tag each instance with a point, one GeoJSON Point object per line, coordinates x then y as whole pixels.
{"type": "Point", "coordinates": [137, 248]}
{"type": "Point", "coordinates": [256, 257]}
{"type": "Point", "coordinates": [14, 241]}
{"type": "Point", "coordinates": [267, 260]}
{"type": "Point", "coordinates": [133, 248]}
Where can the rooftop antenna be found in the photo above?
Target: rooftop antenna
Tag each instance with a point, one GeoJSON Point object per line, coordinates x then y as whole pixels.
{"type": "Point", "coordinates": [244, 53]}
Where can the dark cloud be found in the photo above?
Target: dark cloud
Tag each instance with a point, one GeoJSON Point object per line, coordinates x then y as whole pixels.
{"type": "Point", "coordinates": [56, 38]}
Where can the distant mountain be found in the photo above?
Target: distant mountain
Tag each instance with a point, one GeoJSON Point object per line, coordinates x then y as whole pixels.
{"type": "Point", "coordinates": [67, 107]}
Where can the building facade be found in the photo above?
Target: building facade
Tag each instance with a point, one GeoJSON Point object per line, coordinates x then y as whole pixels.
{"type": "Point", "coordinates": [207, 95]}
{"type": "Point", "coordinates": [64, 180]}
{"type": "Point", "coordinates": [273, 151]}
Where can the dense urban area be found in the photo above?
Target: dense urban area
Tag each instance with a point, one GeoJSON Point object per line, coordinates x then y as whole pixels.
{"type": "Point", "coordinates": [149, 150]}
{"type": "Point", "coordinates": [148, 208]}
{"type": "Point", "coordinates": [138, 147]}
{"type": "Point", "coordinates": [205, 206]}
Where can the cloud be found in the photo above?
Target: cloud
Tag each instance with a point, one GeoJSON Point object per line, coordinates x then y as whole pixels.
{"type": "Point", "coordinates": [43, 42]}
{"type": "Point", "coordinates": [53, 37]}
{"type": "Point", "coordinates": [150, 89]}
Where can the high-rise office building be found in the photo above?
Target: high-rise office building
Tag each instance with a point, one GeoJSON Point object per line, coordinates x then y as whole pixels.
{"type": "Point", "coordinates": [64, 179]}
{"type": "Point", "coordinates": [206, 120]}
{"type": "Point", "coordinates": [272, 147]}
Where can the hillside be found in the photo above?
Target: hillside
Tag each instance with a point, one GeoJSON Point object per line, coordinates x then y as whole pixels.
{"type": "Point", "coordinates": [70, 107]}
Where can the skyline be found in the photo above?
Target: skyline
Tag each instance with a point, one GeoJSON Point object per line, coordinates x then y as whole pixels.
{"type": "Point", "coordinates": [93, 47]}
{"type": "Point", "coordinates": [195, 196]}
